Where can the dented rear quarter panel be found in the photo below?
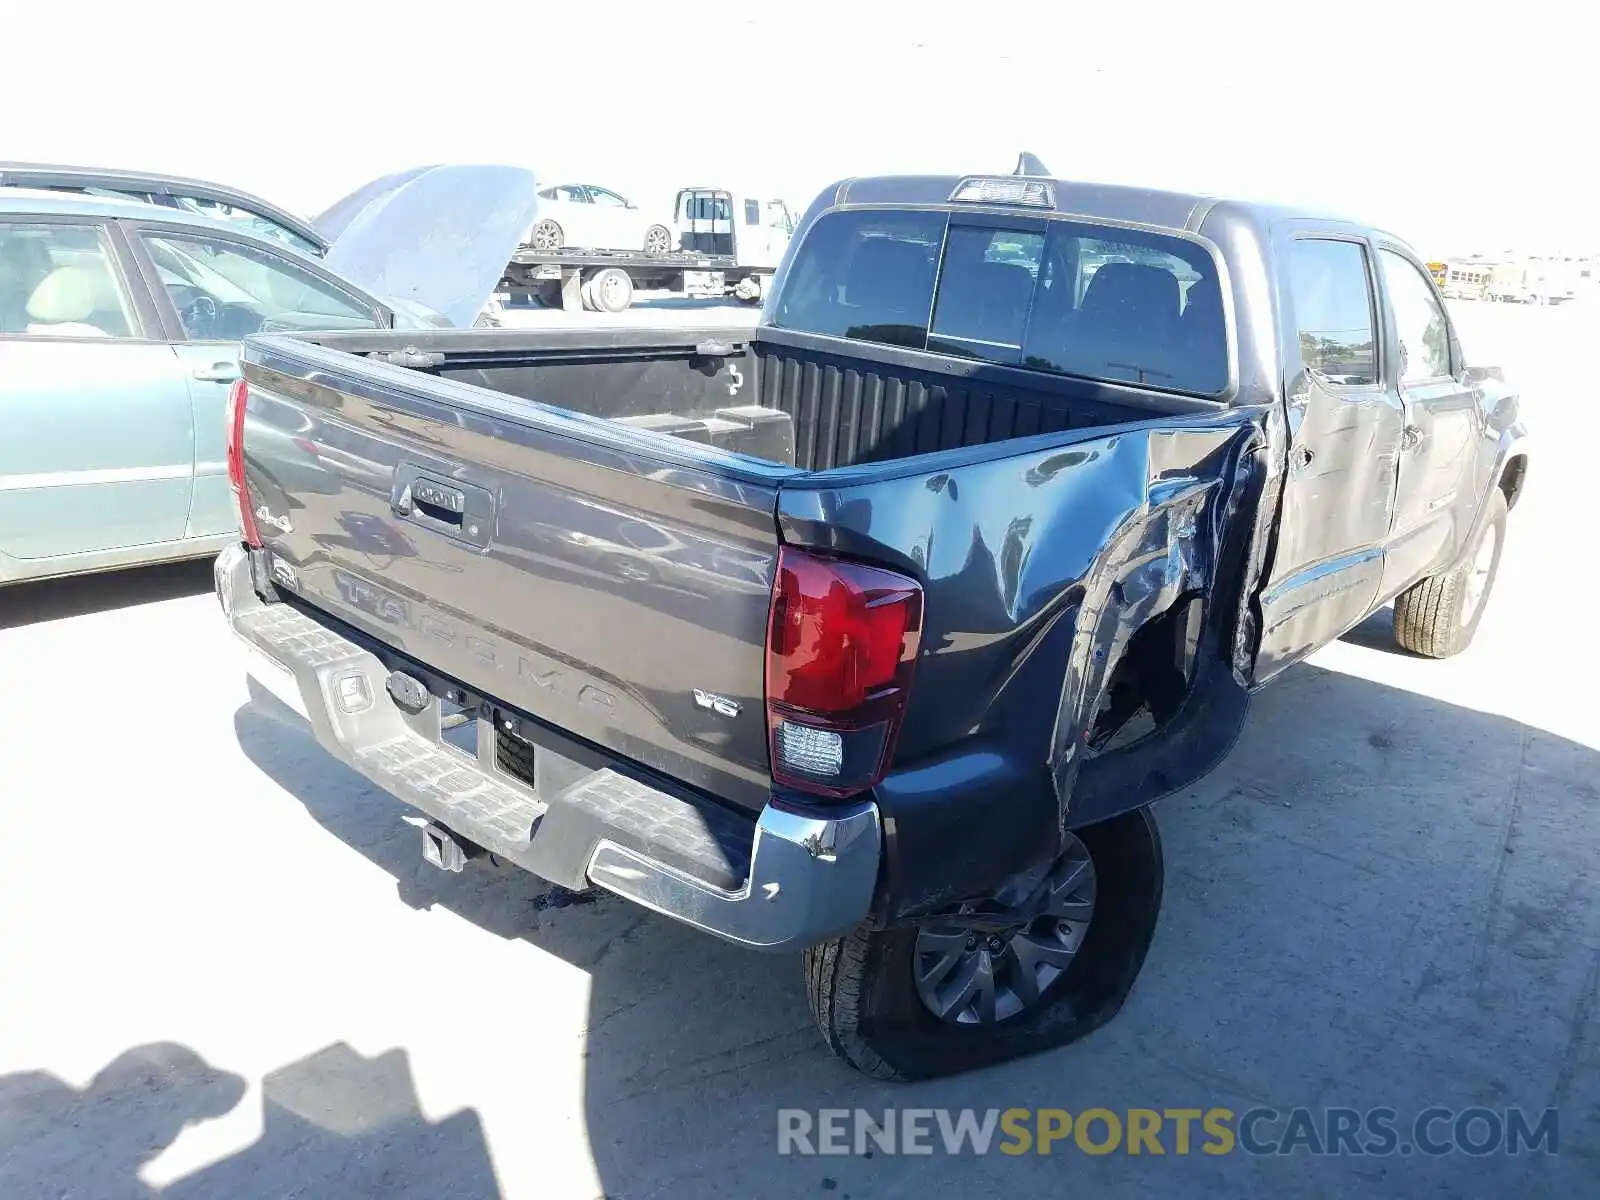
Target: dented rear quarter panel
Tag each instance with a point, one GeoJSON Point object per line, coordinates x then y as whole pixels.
{"type": "Point", "coordinates": [1038, 566]}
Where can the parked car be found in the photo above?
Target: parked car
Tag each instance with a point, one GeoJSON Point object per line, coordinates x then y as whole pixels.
{"type": "Point", "coordinates": [171, 191]}
{"type": "Point", "coordinates": [1034, 533]}
{"type": "Point", "coordinates": [119, 331]}
{"type": "Point", "coordinates": [585, 216]}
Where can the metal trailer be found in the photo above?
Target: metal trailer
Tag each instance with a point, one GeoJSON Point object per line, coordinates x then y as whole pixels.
{"type": "Point", "coordinates": [605, 280]}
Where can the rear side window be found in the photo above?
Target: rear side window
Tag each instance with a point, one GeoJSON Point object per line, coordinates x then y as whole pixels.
{"type": "Point", "coordinates": [1330, 288]}
{"type": "Point", "coordinates": [60, 281]}
{"type": "Point", "coordinates": [1066, 297]}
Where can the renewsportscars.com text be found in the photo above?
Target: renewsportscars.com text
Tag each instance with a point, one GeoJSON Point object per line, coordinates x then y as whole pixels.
{"type": "Point", "coordinates": [1179, 1131]}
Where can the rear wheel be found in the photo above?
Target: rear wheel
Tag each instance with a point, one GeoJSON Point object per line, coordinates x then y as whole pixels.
{"type": "Point", "coordinates": [546, 236]}
{"type": "Point", "coordinates": [962, 991]}
{"type": "Point", "coordinates": [612, 290]}
{"type": "Point", "coordinates": [1438, 616]}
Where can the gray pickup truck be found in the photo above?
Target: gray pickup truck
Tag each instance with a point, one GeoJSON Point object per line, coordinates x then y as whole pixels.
{"type": "Point", "coordinates": [874, 632]}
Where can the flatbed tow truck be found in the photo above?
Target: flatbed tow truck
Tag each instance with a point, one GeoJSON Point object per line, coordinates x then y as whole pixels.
{"type": "Point", "coordinates": [605, 280]}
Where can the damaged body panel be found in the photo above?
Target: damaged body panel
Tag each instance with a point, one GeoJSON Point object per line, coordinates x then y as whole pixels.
{"type": "Point", "coordinates": [1041, 569]}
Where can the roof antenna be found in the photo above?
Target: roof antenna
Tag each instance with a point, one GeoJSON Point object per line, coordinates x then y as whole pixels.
{"type": "Point", "coordinates": [1029, 164]}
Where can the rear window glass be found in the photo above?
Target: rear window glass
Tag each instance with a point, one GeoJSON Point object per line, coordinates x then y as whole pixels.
{"type": "Point", "coordinates": [707, 208]}
{"type": "Point", "coordinates": [1067, 297]}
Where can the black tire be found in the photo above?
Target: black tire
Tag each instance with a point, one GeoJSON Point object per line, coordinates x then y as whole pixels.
{"type": "Point", "coordinates": [658, 240]}
{"type": "Point", "coordinates": [864, 998]}
{"type": "Point", "coordinates": [1431, 617]}
{"type": "Point", "coordinates": [548, 293]}
{"type": "Point", "coordinates": [546, 236]}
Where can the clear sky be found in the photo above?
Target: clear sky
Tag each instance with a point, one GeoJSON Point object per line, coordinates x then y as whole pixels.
{"type": "Point", "coordinates": [1460, 126]}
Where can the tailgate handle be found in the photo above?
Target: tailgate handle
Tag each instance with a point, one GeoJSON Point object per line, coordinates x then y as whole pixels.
{"type": "Point", "coordinates": [435, 501]}
{"type": "Point", "coordinates": [459, 510]}
{"type": "Point", "coordinates": [711, 348]}
{"type": "Point", "coordinates": [420, 499]}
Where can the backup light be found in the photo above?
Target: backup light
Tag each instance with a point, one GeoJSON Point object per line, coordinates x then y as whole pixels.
{"type": "Point", "coordinates": [1028, 193]}
{"type": "Point", "coordinates": [814, 751]}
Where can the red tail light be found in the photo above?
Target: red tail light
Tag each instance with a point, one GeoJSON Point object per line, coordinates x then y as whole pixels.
{"type": "Point", "coordinates": [841, 647]}
{"type": "Point", "coordinates": [238, 401]}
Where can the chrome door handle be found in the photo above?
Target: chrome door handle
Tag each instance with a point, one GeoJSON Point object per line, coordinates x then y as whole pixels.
{"type": "Point", "coordinates": [221, 372]}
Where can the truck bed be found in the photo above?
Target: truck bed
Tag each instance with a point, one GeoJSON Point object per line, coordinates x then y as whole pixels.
{"type": "Point", "coordinates": [600, 576]}
{"type": "Point", "coordinates": [872, 404]}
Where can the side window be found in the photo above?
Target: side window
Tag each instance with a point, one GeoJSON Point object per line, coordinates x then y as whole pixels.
{"type": "Point", "coordinates": [60, 281]}
{"type": "Point", "coordinates": [225, 290]}
{"type": "Point", "coordinates": [115, 194]}
{"type": "Point", "coordinates": [253, 221]}
{"type": "Point", "coordinates": [752, 212]}
{"type": "Point", "coordinates": [608, 199]}
{"type": "Point", "coordinates": [1331, 292]}
{"type": "Point", "coordinates": [778, 216]}
{"type": "Point", "coordinates": [1418, 319]}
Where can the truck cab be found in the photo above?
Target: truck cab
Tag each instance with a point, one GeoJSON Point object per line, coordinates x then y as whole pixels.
{"type": "Point", "coordinates": [752, 228]}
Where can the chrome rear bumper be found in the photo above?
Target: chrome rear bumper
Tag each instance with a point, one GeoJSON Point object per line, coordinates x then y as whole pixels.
{"type": "Point", "coordinates": [786, 880]}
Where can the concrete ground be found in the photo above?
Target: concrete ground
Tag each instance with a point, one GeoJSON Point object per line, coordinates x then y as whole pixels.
{"type": "Point", "coordinates": [225, 972]}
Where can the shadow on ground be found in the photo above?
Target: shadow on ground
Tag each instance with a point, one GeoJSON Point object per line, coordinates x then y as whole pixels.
{"type": "Point", "coordinates": [1381, 899]}
{"type": "Point", "coordinates": [1377, 633]}
{"type": "Point", "coordinates": [335, 1124]}
{"type": "Point", "coordinates": [78, 595]}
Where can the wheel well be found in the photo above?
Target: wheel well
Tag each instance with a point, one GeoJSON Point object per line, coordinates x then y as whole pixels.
{"type": "Point", "coordinates": [1512, 478]}
{"type": "Point", "coordinates": [1153, 675]}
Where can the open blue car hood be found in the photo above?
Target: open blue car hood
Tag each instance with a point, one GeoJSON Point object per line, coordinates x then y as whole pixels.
{"type": "Point", "coordinates": [440, 235]}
